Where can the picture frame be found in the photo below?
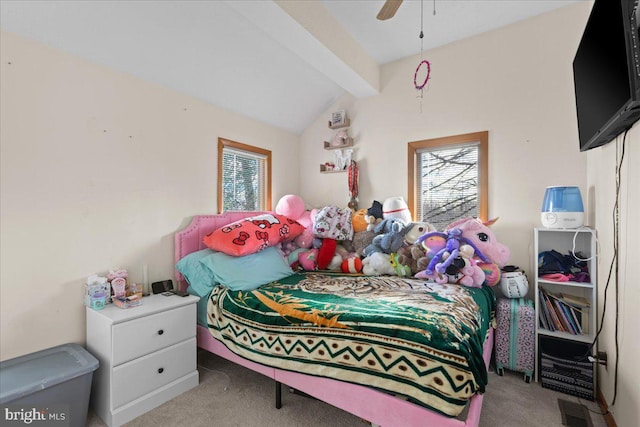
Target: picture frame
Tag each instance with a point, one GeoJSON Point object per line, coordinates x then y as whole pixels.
{"type": "Point", "coordinates": [338, 118]}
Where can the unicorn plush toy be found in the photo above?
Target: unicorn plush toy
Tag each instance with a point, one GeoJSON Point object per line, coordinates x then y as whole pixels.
{"type": "Point", "coordinates": [470, 244]}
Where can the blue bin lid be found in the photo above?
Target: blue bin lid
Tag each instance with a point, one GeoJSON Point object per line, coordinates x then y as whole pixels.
{"type": "Point", "coordinates": [37, 371]}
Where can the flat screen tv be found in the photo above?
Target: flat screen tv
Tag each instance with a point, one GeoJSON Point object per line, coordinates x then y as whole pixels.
{"type": "Point", "coordinates": [606, 72]}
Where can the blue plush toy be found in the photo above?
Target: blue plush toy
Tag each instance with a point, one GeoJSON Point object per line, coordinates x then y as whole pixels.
{"type": "Point", "coordinates": [389, 237]}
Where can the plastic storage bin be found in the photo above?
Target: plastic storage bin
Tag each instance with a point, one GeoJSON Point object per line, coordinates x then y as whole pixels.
{"type": "Point", "coordinates": [52, 386]}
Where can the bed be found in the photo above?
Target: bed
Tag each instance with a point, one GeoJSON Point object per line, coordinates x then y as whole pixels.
{"type": "Point", "coordinates": [394, 389]}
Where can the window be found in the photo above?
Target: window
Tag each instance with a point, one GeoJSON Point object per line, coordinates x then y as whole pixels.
{"type": "Point", "coordinates": [448, 178]}
{"type": "Point", "coordinates": [244, 177]}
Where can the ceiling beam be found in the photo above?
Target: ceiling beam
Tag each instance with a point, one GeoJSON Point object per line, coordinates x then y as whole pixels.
{"type": "Point", "coordinates": [309, 30]}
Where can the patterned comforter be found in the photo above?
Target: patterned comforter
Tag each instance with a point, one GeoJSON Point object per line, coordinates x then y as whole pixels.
{"type": "Point", "coordinates": [419, 340]}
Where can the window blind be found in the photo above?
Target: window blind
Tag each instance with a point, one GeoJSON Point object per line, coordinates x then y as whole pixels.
{"type": "Point", "coordinates": [449, 183]}
{"type": "Point", "coordinates": [243, 180]}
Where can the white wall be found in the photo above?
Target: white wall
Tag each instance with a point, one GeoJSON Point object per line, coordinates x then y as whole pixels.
{"type": "Point", "coordinates": [515, 82]}
{"type": "Point", "coordinates": [602, 163]}
{"type": "Point", "coordinates": [99, 169]}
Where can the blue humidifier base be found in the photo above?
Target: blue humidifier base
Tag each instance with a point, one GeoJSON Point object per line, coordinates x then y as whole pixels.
{"type": "Point", "coordinates": [562, 207]}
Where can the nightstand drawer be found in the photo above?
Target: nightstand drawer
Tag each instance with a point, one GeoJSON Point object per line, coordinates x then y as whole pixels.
{"type": "Point", "coordinates": [147, 334]}
{"type": "Point", "coordinates": [135, 379]}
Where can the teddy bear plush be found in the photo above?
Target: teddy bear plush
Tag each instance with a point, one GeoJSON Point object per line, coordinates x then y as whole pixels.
{"type": "Point", "coordinates": [361, 240]}
{"type": "Point", "coordinates": [414, 257]}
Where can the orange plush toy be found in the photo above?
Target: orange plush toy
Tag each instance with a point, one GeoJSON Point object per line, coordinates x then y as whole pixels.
{"type": "Point", "coordinates": [358, 220]}
{"type": "Point", "coordinates": [352, 265]}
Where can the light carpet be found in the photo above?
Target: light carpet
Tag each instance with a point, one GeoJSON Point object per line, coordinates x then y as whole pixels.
{"type": "Point", "coordinates": [230, 395]}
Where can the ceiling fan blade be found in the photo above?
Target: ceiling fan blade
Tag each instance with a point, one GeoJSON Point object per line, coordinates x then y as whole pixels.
{"type": "Point", "coordinates": [389, 9]}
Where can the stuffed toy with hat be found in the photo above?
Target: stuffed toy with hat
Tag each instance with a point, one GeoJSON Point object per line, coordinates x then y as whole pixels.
{"type": "Point", "coordinates": [375, 210]}
{"type": "Point", "coordinates": [373, 215]}
{"type": "Point", "coordinates": [396, 207]}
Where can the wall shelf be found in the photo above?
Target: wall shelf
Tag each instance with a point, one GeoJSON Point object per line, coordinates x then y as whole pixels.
{"type": "Point", "coordinates": [323, 169]}
{"type": "Point", "coordinates": [346, 124]}
{"type": "Point", "coordinates": [329, 146]}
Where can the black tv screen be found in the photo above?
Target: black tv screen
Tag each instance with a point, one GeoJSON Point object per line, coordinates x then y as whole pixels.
{"type": "Point", "coordinates": [605, 74]}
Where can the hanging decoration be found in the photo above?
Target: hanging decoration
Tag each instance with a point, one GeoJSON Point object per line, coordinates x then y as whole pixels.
{"type": "Point", "coordinates": [352, 172]}
{"type": "Point", "coordinates": [420, 84]}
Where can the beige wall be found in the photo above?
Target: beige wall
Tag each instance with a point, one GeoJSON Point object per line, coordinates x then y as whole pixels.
{"type": "Point", "coordinates": [77, 200]}
{"type": "Point", "coordinates": [602, 185]}
{"type": "Point", "coordinates": [516, 83]}
{"type": "Point", "coordinates": [99, 169]}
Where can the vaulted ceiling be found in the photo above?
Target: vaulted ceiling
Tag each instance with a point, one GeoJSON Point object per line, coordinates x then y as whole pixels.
{"type": "Point", "coordinates": [279, 62]}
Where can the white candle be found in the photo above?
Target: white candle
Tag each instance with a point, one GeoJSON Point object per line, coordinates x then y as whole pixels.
{"type": "Point", "coordinates": [145, 276]}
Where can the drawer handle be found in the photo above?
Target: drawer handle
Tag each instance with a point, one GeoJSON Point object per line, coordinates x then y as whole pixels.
{"type": "Point", "coordinates": [160, 370]}
{"type": "Point", "coordinates": [161, 331]}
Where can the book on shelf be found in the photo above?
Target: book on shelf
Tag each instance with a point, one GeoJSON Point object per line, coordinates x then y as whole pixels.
{"type": "Point", "coordinates": [580, 306]}
{"type": "Point", "coordinates": [553, 315]}
{"type": "Point", "coordinates": [575, 300]}
{"type": "Point", "coordinates": [566, 311]}
{"type": "Point", "coordinates": [557, 306]}
{"type": "Point", "coordinates": [562, 315]}
{"type": "Point", "coordinates": [577, 321]}
{"type": "Point", "coordinates": [544, 321]}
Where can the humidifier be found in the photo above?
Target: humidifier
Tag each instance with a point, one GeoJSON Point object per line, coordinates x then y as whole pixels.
{"type": "Point", "coordinates": [562, 208]}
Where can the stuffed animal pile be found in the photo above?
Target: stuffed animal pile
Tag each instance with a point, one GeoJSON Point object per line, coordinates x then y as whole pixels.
{"type": "Point", "coordinates": [382, 240]}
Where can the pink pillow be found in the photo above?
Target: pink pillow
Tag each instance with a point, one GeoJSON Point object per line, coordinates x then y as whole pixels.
{"type": "Point", "coordinates": [250, 235]}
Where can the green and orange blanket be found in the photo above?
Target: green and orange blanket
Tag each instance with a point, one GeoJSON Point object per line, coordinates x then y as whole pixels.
{"type": "Point", "coordinates": [419, 340]}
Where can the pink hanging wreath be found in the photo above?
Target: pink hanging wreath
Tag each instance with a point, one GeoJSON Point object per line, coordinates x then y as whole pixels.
{"type": "Point", "coordinates": [426, 79]}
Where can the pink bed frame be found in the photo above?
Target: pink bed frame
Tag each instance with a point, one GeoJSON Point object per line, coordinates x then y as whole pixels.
{"type": "Point", "coordinates": [375, 406]}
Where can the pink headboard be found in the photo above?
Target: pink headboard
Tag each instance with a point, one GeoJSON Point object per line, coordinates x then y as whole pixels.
{"type": "Point", "coordinates": [190, 239]}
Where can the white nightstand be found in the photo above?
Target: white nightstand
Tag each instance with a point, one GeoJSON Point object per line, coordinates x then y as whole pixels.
{"type": "Point", "coordinates": [147, 355]}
